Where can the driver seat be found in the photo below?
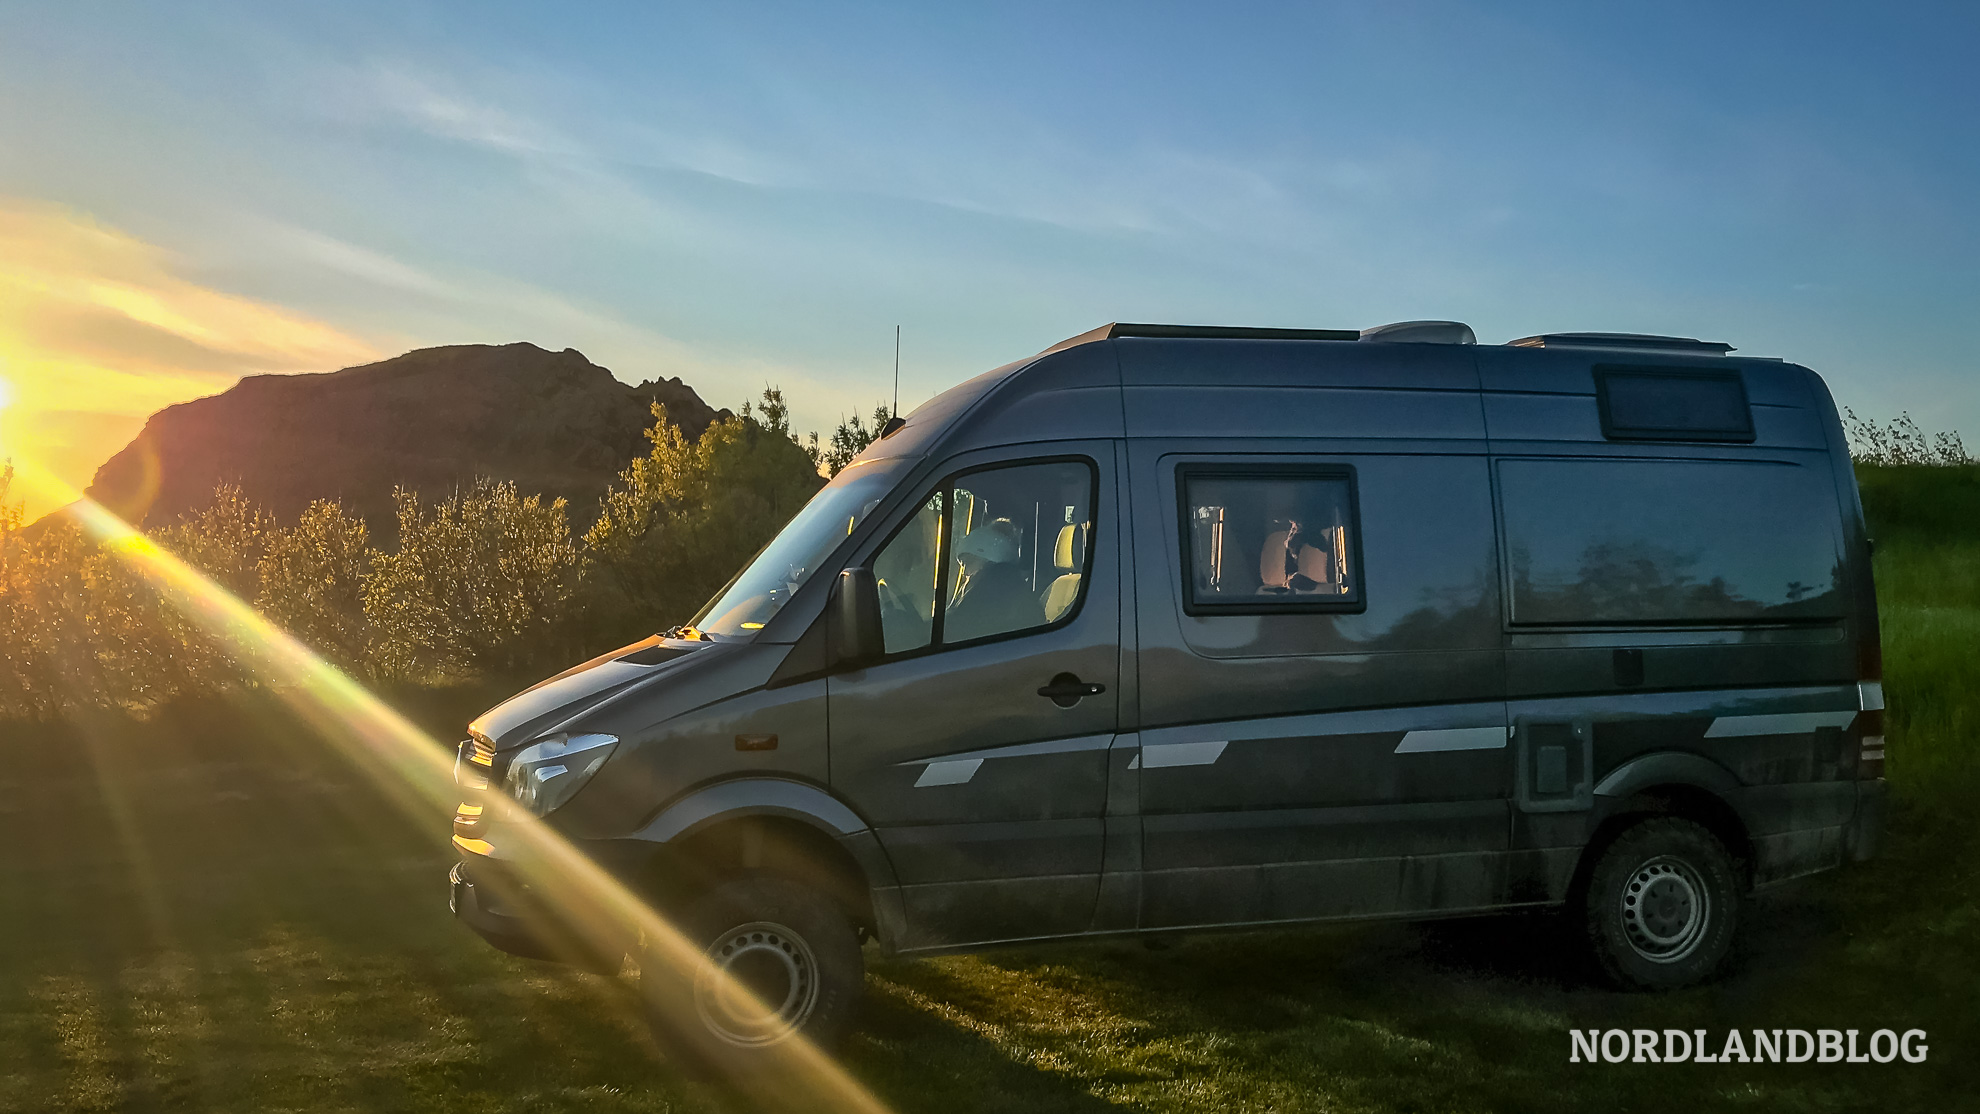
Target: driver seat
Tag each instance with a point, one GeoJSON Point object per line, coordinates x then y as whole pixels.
{"type": "Point", "coordinates": [1067, 556]}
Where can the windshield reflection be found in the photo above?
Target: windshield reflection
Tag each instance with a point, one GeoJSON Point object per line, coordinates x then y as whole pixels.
{"type": "Point", "coordinates": [782, 567]}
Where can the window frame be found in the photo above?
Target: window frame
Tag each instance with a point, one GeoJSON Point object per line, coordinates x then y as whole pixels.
{"type": "Point", "coordinates": [947, 485]}
{"type": "Point", "coordinates": [1613, 431]}
{"type": "Point", "coordinates": [1268, 605]}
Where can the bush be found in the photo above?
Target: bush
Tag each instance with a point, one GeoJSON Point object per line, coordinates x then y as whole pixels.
{"type": "Point", "coordinates": [77, 628]}
{"type": "Point", "coordinates": [487, 581]}
{"type": "Point", "coordinates": [1900, 442]}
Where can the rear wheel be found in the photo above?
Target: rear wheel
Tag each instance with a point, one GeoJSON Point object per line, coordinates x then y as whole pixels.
{"type": "Point", "coordinates": [1662, 905]}
{"type": "Point", "coordinates": [783, 964]}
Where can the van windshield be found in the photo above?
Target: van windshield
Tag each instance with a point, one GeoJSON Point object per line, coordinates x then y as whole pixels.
{"type": "Point", "coordinates": [781, 568]}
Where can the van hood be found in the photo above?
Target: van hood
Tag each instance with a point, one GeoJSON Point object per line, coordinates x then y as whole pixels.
{"type": "Point", "coordinates": [546, 704]}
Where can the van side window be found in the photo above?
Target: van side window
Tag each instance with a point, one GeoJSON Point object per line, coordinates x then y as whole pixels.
{"type": "Point", "coordinates": [1670, 541]}
{"type": "Point", "coordinates": [1672, 404]}
{"type": "Point", "coordinates": [993, 552]}
{"type": "Point", "coordinates": [1270, 540]}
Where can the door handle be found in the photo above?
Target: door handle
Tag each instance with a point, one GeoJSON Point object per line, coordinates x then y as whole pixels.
{"type": "Point", "coordinates": [1066, 689]}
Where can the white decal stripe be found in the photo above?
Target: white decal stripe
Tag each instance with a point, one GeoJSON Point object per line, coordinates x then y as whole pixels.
{"type": "Point", "coordinates": [1322, 725]}
{"type": "Point", "coordinates": [1159, 755]}
{"type": "Point", "coordinates": [1784, 723]}
{"type": "Point", "coordinates": [1452, 738]}
{"type": "Point", "coordinates": [1870, 696]}
{"type": "Point", "coordinates": [1024, 750]}
{"type": "Point", "coordinates": [953, 772]}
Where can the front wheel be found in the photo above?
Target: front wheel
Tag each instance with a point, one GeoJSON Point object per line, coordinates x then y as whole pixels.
{"type": "Point", "coordinates": [1662, 905]}
{"type": "Point", "coordinates": [783, 963]}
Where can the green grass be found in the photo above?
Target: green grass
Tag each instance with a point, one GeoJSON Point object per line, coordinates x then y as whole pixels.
{"type": "Point", "coordinates": [1926, 524]}
{"type": "Point", "coordinates": [211, 911]}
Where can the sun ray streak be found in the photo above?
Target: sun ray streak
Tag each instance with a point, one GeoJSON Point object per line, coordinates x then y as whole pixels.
{"type": "Point", "coordinates": [416, 771]}
{"type": "Point", "coordinates": [117, 806]}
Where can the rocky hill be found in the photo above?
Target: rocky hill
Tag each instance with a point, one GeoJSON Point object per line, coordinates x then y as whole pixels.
{"type": "Point", "coordinates": [431, 420]}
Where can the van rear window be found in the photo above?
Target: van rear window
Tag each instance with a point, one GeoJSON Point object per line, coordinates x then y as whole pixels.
{"type": "Point", "coordinates": [1663, 404]}
{"type": "Point", "coordinates": [1271, 540]}
{"type": "Point", "coordinates": [1669, 541]}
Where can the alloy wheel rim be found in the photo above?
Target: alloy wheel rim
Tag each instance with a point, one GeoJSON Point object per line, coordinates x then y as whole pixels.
{"type": "Point", "coordinates": [1666, 909]}
{"type": "Point", "coordinates": [762, 987]}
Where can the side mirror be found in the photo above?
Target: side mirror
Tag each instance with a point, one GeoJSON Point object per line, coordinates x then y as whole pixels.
{"type": "Point", "coordinates": [853, 634]}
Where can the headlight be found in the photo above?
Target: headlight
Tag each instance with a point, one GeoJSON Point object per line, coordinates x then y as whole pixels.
{"type": "Point", "coordinates": [545, 774]}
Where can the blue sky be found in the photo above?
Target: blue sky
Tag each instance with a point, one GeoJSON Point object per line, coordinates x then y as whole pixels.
{"type": "Point", "coordinates": [745, 194]}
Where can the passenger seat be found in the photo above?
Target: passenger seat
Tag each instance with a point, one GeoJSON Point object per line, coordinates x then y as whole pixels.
{"type": "Point", "coordinates": [1068, 554]}
{"type": "Point", "coordinates": [1316, 565]}
{"type": "Point", "coordinates": [1273, 576]}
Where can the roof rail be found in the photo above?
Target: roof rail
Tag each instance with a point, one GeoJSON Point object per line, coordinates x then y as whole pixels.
{"type": "Point", "coordinates": [1227, 332]}
{"type": "Point", "coordinates": [1200, 332]}
{"type": "Point", "coordinates": [1622, 340]}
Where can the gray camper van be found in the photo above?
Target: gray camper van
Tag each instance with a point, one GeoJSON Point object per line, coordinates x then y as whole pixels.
{"type": "Point", "coordinates": [1173, 628]}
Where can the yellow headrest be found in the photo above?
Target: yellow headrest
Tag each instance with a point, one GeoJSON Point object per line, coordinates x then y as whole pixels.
{"type": "Point", "coordinates": [1062, 553]}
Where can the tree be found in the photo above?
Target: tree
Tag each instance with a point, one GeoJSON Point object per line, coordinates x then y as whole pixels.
{"type": "Point", "coordinates": [312, 582]}
{"type": "Point", "coordinates": [685, 517]}
{"type": "Point", "coordinates": [224, 540]}
{"type": "Point", "coordinates": [851, 437]}
{"type": "Point", "coordinates": [481, 581]}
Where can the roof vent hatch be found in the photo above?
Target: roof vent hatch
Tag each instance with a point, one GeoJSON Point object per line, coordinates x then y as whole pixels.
{"type": "Point", "coordinates": [1422, 332]}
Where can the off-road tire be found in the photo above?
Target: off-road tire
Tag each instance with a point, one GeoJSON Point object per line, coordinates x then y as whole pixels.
{"type": "Point", "coordinates": [1662, 905]}
{"type": "Point", "coordinates": [796, 949]}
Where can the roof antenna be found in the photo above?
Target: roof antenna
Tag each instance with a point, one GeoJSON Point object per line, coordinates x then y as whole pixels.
{"type": "Point", "coordinates": [894, 419]}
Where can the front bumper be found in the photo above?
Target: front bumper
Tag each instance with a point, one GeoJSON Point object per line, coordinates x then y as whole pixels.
{"type": "Point", "coordinates": [501, 910]}
{"type": "Point", "coordinates": [482, 909]}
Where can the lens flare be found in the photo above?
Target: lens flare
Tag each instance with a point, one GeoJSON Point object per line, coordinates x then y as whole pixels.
{"type": "Point", "coordinates": [6, 400]}
{"type": "Point", "coordinates": [416, 771]}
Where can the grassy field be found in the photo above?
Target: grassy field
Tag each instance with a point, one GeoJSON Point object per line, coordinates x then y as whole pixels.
{"type": "Point", "coordinates": [190, 922]}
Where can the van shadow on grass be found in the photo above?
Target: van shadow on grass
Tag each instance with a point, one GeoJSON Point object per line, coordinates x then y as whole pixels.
{"type": "Point", "coordinates": [1367, 1016]}
{"type": "Point", "coordinates": [1459, 1014]}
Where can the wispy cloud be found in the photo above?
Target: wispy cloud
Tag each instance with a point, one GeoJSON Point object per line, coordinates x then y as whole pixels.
{"type": "Point", "coordinates": [426, 102]}
{"type": "Point", "coordinates": [97, 330]}
{"type": "Point", "coordinates": [992, 164]}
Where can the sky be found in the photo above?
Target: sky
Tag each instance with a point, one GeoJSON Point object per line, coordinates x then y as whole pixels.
{"type": "Point", "coordinates": [745, 195]}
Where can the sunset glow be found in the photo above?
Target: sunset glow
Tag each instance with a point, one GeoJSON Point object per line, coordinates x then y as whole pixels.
{"type": "Point", "coordinates": [98, 331]}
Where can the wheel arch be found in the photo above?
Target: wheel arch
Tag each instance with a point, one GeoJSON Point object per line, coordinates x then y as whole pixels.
{"type": "Point", "coordinates": [1669, 783]}
{"type": "Point", "coordinates": [773, 825]}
